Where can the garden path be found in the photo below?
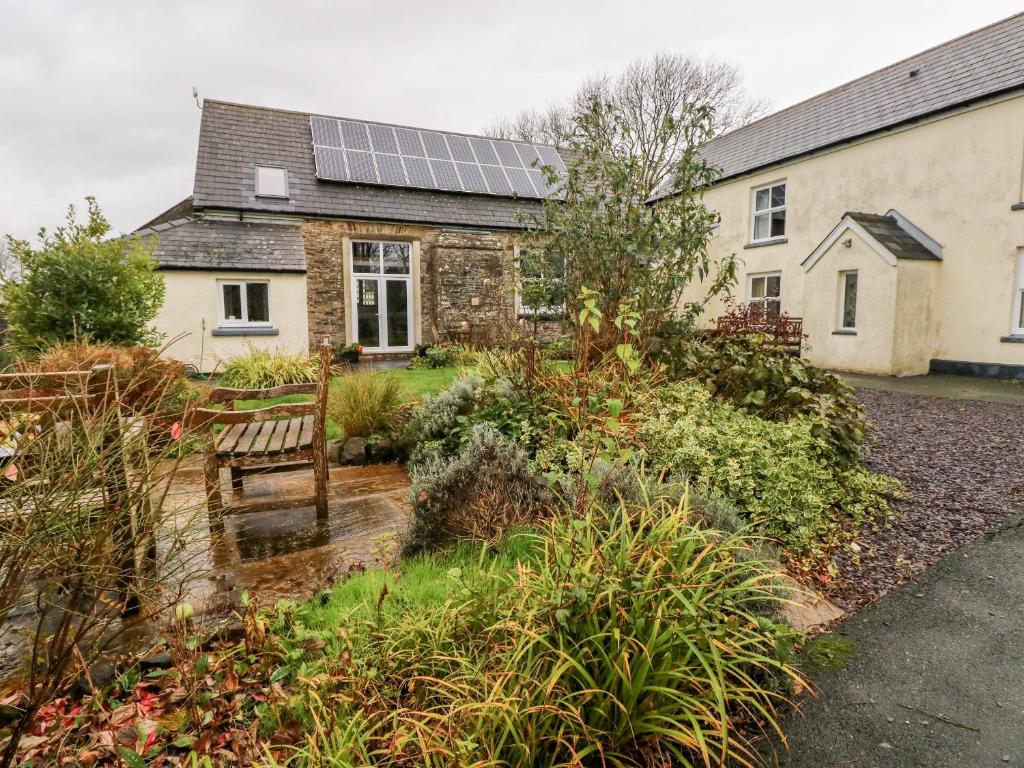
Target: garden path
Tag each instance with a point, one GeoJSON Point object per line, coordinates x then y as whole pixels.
{"type": "Point", "coordinates": [934, 673]}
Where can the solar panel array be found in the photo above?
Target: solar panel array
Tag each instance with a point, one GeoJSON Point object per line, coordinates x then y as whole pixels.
{"type": "Point", "coordinates": [370, 153]}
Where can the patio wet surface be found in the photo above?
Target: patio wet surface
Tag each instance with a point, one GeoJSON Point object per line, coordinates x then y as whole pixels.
{"type": "Point", "coordinates": [287, 552]}
{"type": "Point", "coordinates": [942, 385]}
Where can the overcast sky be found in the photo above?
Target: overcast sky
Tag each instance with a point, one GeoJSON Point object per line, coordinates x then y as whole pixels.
{"type": "Point", "coordinates": [96, 97]}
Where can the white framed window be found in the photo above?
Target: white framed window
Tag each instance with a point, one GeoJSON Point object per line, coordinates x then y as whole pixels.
{"type": "Point", "coordinates": [848, 300]}
{"type": "Point", "coordinates": [271, 181]}
{"type": "Point", "coordinates": [381, 297]}
{"type": "Point", "coordinates": [769, 213]}
{"type": "Point", "coordinates": [541, 286]}
{"type": "Point", "coordinates": [1018, 296]}
{"type": "Point", "coordinates": [244, 302]}
{"type": "Point", "coordinates": [764, 293]}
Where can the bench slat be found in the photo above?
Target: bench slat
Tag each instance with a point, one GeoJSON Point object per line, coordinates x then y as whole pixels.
{"type": "Point", "coordinates": [229, 438]}
{"type": "Point", "coordinates": [291, 438]}
{"type": "Point", "coordinates": [259, 445]}
{"type": "Point", "coordinates": [245, 441]}
{"type": "Point", "coordinates": [306, 436]}
{"type": "Point", "coordinates": [277, 439]}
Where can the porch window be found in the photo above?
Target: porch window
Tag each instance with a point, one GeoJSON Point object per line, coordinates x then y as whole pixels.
{"type": "Point", "coordinates": [541, 282]}
{"type": "Point", "coordinates": [769, 212]}
{"type": "Point", "coordinates": [764, 294]}
{"type": "Point", "coordinates": [847, 301]}
{"type": "Point", "coordinates": [245, 302]}
{"type": "Point", "coordinates": [1018, 296]}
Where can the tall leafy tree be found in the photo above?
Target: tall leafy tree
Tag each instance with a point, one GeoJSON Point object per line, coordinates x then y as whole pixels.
{"type": "Point", "coordinates": [79, 284]}
{"type": "Point", "coordinates": [615, 241]}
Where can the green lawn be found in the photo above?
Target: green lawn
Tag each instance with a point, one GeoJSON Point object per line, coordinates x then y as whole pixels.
{"type": "Point", "coordinates": [418, 383]}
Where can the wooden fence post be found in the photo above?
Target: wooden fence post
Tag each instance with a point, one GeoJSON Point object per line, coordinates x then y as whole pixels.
{"type": "Point", "coordinates": [320, 470]}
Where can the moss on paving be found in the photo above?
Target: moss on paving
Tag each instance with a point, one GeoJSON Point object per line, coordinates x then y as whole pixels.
{"type": "Point", "coordinates": [826, 652]}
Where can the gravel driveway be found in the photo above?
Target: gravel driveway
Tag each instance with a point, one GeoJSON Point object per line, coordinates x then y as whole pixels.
{"type": "Point", "coordinates": [963, 463]}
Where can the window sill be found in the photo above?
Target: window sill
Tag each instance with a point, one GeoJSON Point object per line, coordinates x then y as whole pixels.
{"type": "Point", "coordinates": [765, 243]}
{"type": "Point", "coordinates": [243, 330]}
{"type": "Point", "coordinates": [1017, 207]}
{"type": "Point", "coordinates": [1013, 338]}
{"type": "Point", "coordinates": [844, 332]}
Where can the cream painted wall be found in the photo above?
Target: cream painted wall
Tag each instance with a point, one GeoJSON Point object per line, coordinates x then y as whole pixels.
{"type": "Point", "coordinates": [955, 177]}
{"type": "Point", "coordinates": [871, 349]}
{"type": "Point", "coordinates": [191, 311]}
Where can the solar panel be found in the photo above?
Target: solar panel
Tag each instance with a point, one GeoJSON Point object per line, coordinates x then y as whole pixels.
{"type": "Point", "coordinates": [374, 153]}
{"type": "Point", "coordinates": [360, 166]}
{"type": "Point", "coordinates": [444, 173]}
{"type": "Point", "coordinates": [485, 153]}
{"type": "Point", "coordinates": [435, 145]}
{"type": "Point", "coordinates": [418, 171]}
{"type": "Point", "coordinates": [354, 135]}
{"type": "Point", "coordinates": [409, 142]}
{"type": "Point", "coordinates": [325, 132]}
{"type": "Point", "coordinates": [472, 177]}
{"type": "Point", "coordinates": [383, 138]}
{"type": "Point", "coordinates": [496, 180]}
{"type": "Point", "coordinates": [521, 182]}
{"type": "Point", "coordinates": [390, 169]}
{"type": "Point", "coordinates": [459, 145]}
{"type": "Point", "coordinates": [508, 155]}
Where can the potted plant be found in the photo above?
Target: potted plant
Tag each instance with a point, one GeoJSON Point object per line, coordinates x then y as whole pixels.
{"type": "Point", "coordinates": [351, 353]}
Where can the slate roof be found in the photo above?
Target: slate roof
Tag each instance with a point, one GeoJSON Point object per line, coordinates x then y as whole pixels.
{"type": "Point", "coordinates": [887, 231]}
{"type": "Point", "coordinates": [234, 138]}
{"type": "Point", "coordinates": [238, 246]}
{"type": "Point", "coordinates": [980, 64]}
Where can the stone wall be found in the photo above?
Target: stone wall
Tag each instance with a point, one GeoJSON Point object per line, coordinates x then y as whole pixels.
{"type": "Point", "coordinates": [465, 279]}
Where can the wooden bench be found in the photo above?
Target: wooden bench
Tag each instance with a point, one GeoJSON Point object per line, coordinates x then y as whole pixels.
{"type": "Point", "coordinates": [273, 439]}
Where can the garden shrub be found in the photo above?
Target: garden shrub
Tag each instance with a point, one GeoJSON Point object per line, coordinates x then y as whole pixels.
{"type": "Point", "coordinates": [261, 369]}
{"type": "Point", "coordinates": [629, 637]}
{"type": "Point", "coordinates": [144, 378]}
{"type": "Point", "coordinates": [765, 380]}
{"type": "Point", "coordinates": [444, 356]}
{"type": "Point", "coordinates": [80, 285]}
{"type": "Point", "coordinates": [481, 494]}
{"type": "Point", "coordinates": [363, 404]}
{"type": "Point", "coordinates": [780, 475]}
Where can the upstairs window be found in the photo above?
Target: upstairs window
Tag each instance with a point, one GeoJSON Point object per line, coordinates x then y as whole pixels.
{"type": "Point", "coordinates": [764, 295]}
{"type": "Point", "coordinates": [847, 301]}
{"type": "Point", "coordinates": [245, 302]}
{"type": "Point", "coordinates": [271, 182]}
{"type": "Point", "coordinates": [769, 212]}
{"type": "Point", "coordinates": [541, 282]}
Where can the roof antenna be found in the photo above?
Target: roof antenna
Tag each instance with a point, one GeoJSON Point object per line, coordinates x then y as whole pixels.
{"type": "Point", "coordinates": [195, 95]}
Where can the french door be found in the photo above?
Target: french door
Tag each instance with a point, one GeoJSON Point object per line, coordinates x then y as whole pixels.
{"type": "Point", "coordinates": [382, 295]}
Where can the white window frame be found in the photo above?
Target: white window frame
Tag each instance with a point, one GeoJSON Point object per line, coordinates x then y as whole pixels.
{"type": "Point", "coordinates": [381, 277]}
{"type": "Point", "coordinates": [1018, 297]}
{"type": "Point", "coordinates": [523, 310]}
{"type": "Point", "coordinates": [243, 290]}
{"type": "Point", "coordinates": [764, 299]}
{"type": "Point", "coordinates": [755, 213]}
{"type": "Point", "coordinates": [841, 319]}
{"type": "Point", "coordinates": [284, 173]}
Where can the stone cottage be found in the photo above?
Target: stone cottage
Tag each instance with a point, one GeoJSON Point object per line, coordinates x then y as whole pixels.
{"type": "Point", "coordinates": [304, 226]}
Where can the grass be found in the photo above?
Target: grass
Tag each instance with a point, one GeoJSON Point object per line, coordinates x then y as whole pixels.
{"type": "Point", "coordinates": [418, 383]}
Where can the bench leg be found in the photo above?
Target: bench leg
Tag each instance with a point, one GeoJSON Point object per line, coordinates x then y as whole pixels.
{"type": "Point", "coordinates": [320, 483]}
{"type": "Point", "coordinates": [211, 472]}
{"type": "Point", "coordinates": [236, 479]}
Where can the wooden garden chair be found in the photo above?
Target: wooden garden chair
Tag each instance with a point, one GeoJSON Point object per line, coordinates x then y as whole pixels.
{"type": "Point", "coordinates": [273, 439]}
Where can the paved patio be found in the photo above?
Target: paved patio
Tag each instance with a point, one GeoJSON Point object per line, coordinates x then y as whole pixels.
{"type": "Point", "coordinates": [287, 552]}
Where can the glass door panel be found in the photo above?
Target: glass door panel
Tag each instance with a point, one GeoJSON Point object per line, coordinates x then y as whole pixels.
{"type": "Point", "coordinates": [397, 296]}
{"type": "Point", "coordinates": [368, 312]}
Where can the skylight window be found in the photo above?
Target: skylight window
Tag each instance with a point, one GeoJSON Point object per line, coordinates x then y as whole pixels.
{"type": "Point", "coordinates": [271, 182]}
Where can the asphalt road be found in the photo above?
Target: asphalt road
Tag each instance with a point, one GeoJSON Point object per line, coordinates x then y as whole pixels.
{"type": "Point", "coordinates": [935, 676]}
